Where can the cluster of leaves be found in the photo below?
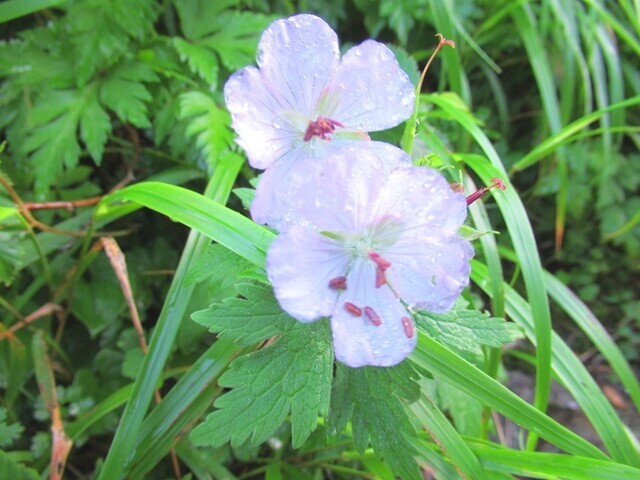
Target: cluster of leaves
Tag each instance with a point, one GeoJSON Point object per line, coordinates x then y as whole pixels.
{"type": "Point", "coordinates": [94, 91]}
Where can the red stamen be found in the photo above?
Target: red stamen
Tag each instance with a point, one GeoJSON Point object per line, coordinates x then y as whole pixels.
{"type": "Point", "coordinates": [495, 183]}
{"type": "Point", "coordinates": [322, 127]}
{"type": "Point", "coordinates": [338, 283]}
{"type": "Point", "coordinates": [381, 266]}
{"type": "Point", "coordinates": [379, 261]}
{"type": "Point", "coordinates": [371, 314]}
{"type": "Point", "coordinates": [409, 329]}
{"type": "Point", "coordinates": [353, 309]}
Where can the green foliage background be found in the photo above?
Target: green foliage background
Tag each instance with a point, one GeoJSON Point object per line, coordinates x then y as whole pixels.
{"type": "Point", "coordinates": [95, 94]}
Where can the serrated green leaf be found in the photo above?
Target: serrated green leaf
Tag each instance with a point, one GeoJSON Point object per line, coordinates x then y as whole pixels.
{"type": "Point", "coordinates": [9, 468]}
{"type": "Point", "coordinates": [291, 376]}
{"type": "Point", "coordinates": [236, 39]}
{"type": "Point", "coordinates": [124, 92]}
{"type": "Point", "coordinates": [95, 127]}
{"type": "Point", "coordinates": [211, 125]}
{"type": "Point", "coordinates": [52, 141]}
{"type": "Point", "coordinates": [254, 317]}
{"type": "Point", "coordinates": [246, 196]}
{"type": "Point", "coordinates": [216, 262]}
{"type": "Point", "coordinates": [11, 250]}
{"type": "Point", "coordinates": [9, 433]}
{"type": "Point", "coordinates": [102, 32]}
{"type": "Point", "coordinates": [467, 330]}
{"type": "Point", "coordinates": [196, 15]}
{"type": "Point", "coordinates": [373, 398]}
{"type": "Point", "coordinates": [201, 60]}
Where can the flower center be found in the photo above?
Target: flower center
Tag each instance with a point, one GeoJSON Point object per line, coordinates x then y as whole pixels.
{"type": "Point", "coordinates": [322, 127]}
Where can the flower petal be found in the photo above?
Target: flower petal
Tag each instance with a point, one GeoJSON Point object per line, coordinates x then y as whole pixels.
{"type": "Point", "coordinates": [370, 91]}
{"type": "Point", "coordinates": [259, 118]}
{"type": "Point", "coordinates": [357, 340]}
{"type": "Point", "coordinates": [300, 265]}
{"type": "Point", "coordinates": [422, 199]}
{"type": "Point", "coordinates": [429, 274]}
{"type": "Point", "coordinates": [332, 193]}
{"type": "Point", "coordinates": [297, 57]}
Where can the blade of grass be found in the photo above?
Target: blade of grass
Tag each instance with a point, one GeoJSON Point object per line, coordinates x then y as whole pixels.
{"type": "Point", "coordinates": [165, 331]}
{"type": "Point", "coordinates": [448, 439]}
{"type": "Point", "coordinates": [543, 465]}
{"type": "Point", "coordinates": [456, 371]}
{"type": "Point", "coordinates": [574, 376]}
{"type": "Point", "coordinates": [524, 243]}
{"type": "Point", "coordinates": [186, 402]}
{"type": "Point", "coordinates": [592, 327]}
{"type": "Point", "coordinates": [568, 133]}
{"type": "Point", "coordinates": [12, 9]}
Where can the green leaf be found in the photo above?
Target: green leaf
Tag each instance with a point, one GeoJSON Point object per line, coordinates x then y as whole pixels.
{"type": "Point", "coordinates": [236, 37]}
{"type": "Point", "coordinates": [196, 15]}
{"type": "Point", "coordinates": [202, 61]}
{"type": "Point", "coordinates": [254, 317]}
{"type": "Point", "coordinates": [102, 33]}
{"type": "Point", "coordinates": [124, 92]}
{"type": "Point", "coordinates": [211, 124]}
{"type": "Point", "coordinates": [95, 127]}
{"type": "Point", "coordinates": [216, 262]}
{"type": "Point", "coordinates": [467, 330]}
{"type": "Point", "coordinates": [291, 376]}
{"type": "Point", "coordinates": [9, 468]}
{"type": "Point", "coordinates": [11, 251]}
{"type": "Point", "coordinates": [12, 9]}
{"type": "Point", "coordinates": [9, 433]}
{"type": "Point", "coordinates": [52, 142]}
{"type": "Point", "coordinates": [373, 399]}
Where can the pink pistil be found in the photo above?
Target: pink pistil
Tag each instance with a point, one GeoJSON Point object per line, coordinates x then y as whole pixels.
{"type": "Point", "coordinates": [338, 283]}
{"type": "Point", "coordinates": [381, 267]}
{"type": "Point", "coordinates": [322, 127]}
{"type": "Point", "coordinates": [353, 309]}
{"type": "Point", "coordinates": [495, 183]}
{"type": "Point", "coordinates": [371, 314]}
{"type": "Point", "coordinates": [409, 330]}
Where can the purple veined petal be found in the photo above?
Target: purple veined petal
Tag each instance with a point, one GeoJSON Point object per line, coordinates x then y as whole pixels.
{"type": "Point", "coordinates": [370, 91]}
{"type": "Point", "coordinates": [300, 265]}
{"type": "Point", "coordinates": [429, 274]}
{"type": "Point", "coordinates": [423, 200]}
{"type": "Point", "coordinates": [334, 193]}
{"type": "Point", "coordinates": [382, 335]}
{"type": "Point", "coordinates": [264, 129]}
{"type": "Point", "coordinates": [297, 57]}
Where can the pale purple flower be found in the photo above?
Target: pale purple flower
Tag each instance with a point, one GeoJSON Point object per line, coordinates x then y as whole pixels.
{"type": "Point", "coordinates": [304, 101]}
{"type": "Point", "coordinates": [381, 240]}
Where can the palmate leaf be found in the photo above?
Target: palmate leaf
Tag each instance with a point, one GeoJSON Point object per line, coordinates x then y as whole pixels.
{"type": "Point", "coordinates": [213, 33]}
{"type": "Point", "coordinates": [53, 139]}
{"type": "Point", "coordinates": [254, 317]}
{"type": "Point", "coordinates": [11, 250]}
{"type": "Point", "coordinates": [291, 376]}
{"type": "Point", "coordinates": [102, 32]}
{"type": "Point", "coordinates": [236, 38]}
{"type": "Point", "coordinates": [373, 398]}
{"type": "Point", "coordinates": [124, 92]}
{"type": "Point", "coordinates": [210, 124]}
{"type": "Point", "coordinates": [9, 468]}
{"type": "Point", "coordinates": [9, 432]}
{"type": "Point", "coordinates": [467, 330]}
{"type": "Point", "coordinates": [201, 60]}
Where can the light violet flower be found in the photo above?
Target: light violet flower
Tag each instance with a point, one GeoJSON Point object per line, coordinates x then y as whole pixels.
{"type": "Point", "coordinates": [304, 101]}
{"type": "Point", "coordinates": [381, 240]}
